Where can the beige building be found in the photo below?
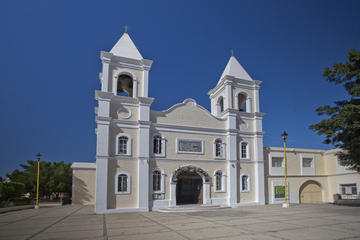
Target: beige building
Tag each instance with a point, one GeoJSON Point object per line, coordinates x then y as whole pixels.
{"type": "Point", "coordinates": [149, 159]}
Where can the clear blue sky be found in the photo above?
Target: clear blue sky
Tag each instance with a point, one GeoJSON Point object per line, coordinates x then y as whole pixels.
{"type": "Point", "coordinates": [50, 64]}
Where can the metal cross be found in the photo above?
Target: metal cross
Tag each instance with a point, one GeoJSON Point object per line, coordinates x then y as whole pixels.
{"type": "Point", "coordinates": [232, 52]}
{"type": "Point", "coordinates": [126, 28]}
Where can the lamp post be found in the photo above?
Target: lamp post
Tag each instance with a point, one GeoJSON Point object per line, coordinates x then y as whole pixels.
{"type": "Point", "coordinates": [38, 156]}
{"type": "Point", "coordinates": [284, 136]}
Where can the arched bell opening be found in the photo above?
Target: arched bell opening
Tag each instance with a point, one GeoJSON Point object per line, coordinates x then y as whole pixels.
{"type": "Point", "coordinates": [125, 85]}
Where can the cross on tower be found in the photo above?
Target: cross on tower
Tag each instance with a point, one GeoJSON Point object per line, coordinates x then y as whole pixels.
{"type": "Point", "coordinates": [232, 52]}
{"type": "Point", "coordinates": [126, 28]}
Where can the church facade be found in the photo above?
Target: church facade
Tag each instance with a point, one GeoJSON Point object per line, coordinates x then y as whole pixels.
{"type": "Point", "coordinates": [148, 159]}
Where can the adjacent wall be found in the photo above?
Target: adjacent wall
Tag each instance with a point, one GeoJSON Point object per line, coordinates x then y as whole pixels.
{"type": "Point", "coordinates": [83, 185]}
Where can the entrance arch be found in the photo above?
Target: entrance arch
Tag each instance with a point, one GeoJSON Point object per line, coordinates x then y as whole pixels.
{"type": "Point", "coordinates": [310, 192]}
{"type": "Point", "coordinates": [189, 184]}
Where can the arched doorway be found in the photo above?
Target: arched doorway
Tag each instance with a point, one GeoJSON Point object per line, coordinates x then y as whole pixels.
{"type": "Point", "coordinates": [189, 188]}
{"type": "Point", "coordinates": [189, 185]}
{"type": "Point", "coordinates": [310, 192]}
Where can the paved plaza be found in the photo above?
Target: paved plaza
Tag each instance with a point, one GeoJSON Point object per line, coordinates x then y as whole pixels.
{"type": "Point", "coordinates": [308, 221]}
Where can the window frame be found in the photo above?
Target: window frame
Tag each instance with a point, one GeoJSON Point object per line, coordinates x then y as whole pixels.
{"type": "Point", "coordinates": [342, 185]}
{"type": "Point", "coordinates": [223, 181]}
{"type": "Point", "coordinates": [128, 145]}
{"type": "Point", "coordinates": [307, 170]}
{"type": "Point", "coordinates": [247, 150]}
{"type": "Point", "coordinates": [222, 148]}
{"type": "Point", "coordinates": [162, 180]}
{"type": "Point", "coordinates": [282, 162]}
{"type": "Point", "coordinates": [163, 145]}
{"type": "Point", "coordinates": [128, 183]}
{"type": "Point", "coordinates": [248, 183]}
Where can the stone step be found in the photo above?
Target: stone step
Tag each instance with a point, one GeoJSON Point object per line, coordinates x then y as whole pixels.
{"type": "Point", "coordinates": [192, 208]}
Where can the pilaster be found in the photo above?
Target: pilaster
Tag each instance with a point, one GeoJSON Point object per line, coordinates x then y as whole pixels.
{"type": "Point", "coordinates": [229, 98]}
{"type": "Point", "coordinates": [145, 84]}
{"type": "Point", "coordinates": [105, 72]}
{"type": "Point", "coordinates": [231, 158]}
{"type": "Point", "coordinates": [143, 166]}
{"type": "Point", "coordinates": [102, 154]}
{"type": "Point", "coordinates": [259, 169]}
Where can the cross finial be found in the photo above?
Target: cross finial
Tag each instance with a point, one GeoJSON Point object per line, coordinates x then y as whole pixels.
{"type": "Point", "coordinates": [126, 28]}
{"type": "Point", "coordinates": [232, 52]}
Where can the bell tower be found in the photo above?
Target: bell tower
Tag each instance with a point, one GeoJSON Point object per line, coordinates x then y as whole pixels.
{"type": "Point", "coordinates": [123, 103]}
{"type": "Point", "coordinates": [236, 99]}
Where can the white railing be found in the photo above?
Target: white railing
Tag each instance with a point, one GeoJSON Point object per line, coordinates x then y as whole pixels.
{"type": "Point", "coordinates": [354, 196]}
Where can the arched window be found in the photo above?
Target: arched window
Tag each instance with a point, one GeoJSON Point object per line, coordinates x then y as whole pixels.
{"type": "Point", "coordinates": [221, 102]}
{"type": "Point", "coordinates": [122, 183]}
{"type": "Point", "coordinates": [157, 144]}
{"type": "Point", "coordinates": [124, 86]}
{"type": "Point", "coordinates": [156, 181]}
{"type": "Point", "coordinates": [244, 150]}
{"type": "Point", "coordinates": [219, 181]}
{"type": "Point", "coordinates": [242, 102]}
{"type": "Point", "coordinates": [245, 183]}
{"type": "Point", "coordinates": [218, 176]}
{"type": "Point", "coordinates": [220, 105]}
{"type": "Point", "coordinates": [219, 148]}
{"type": "Point", "coordinates": [123, 143]}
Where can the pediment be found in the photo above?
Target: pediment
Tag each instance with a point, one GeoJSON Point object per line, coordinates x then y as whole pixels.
{"type": "Point", "coordinates": [187, 113]}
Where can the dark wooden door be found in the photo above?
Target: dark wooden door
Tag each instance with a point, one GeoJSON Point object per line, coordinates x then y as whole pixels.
{"type": "Point", "coordinates": [189, 190]}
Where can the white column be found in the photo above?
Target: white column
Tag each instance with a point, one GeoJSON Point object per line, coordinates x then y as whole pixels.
{"type": "Point", "coordinates": [105, 76]}
{"type": "Point", "coordinates": [229, 99]}
{"type": "Point", "coordinates": [172, 202]}
{"type": "Point", "coordinates": [259, 169]}
{"type": "Point", "coordinates": [143, 167]}
{"type": "Point", "coordinates": [206, 193]}
{"type": "Point", "coordinates": [145, 83]}
{"type": "Point", "coordinates": [102, 154]}
{"type": "Point", "coordinates": [231, 169]}
{"type": "Point", "coordinates": [248, 105]}
{"type": "Point", "coordinates": [135, 88]}
{"type": "Point", "coordinates": [256, 100]}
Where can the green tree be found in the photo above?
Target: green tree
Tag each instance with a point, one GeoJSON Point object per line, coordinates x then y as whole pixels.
{"type": "Point", "coordinates": [342, 127]}
{"type": "Point", "coordinates": [54, 177]}
{"type": "Point", "coordinates": [62, 177]}
{"type": "Point", "coordinates": [10, 190]}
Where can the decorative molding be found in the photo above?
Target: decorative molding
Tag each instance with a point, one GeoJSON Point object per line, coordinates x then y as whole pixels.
{"type": "Point", "coordinates": [83, 165]}
{"type": "Point", "coordinates": [192, 169]}
{"type": "Point", "coordinates": [118, 112]}
{"type": "Point", "coordinates": [189, 140]}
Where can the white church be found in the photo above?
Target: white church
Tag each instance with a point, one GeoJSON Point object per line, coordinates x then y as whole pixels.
{"type": "Point", "coordinates": [148, 160]}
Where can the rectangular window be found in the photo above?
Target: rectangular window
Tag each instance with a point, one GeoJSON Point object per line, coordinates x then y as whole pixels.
{"type": "Point", "coordinates": [156, 181]}
{"type": "Point", "coordinates": [122, 184]}
{"type": "Point", "coordinates": [243, 150]}
{"type": "Point", "coordinates": [348, 189]}
{"type": "Point", "coordinates": [190, 146]}
{"type": "Point", "coordinates": [276, 162]}
{"type": "Point", "coordinates": [123, 145]}
{"type": "Point", "coordinates": [279, 192]}
{"type": "Point", "coordinates": [307, 162]}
